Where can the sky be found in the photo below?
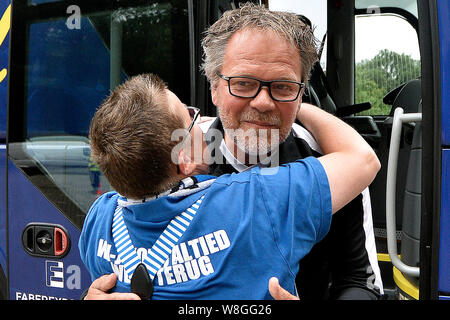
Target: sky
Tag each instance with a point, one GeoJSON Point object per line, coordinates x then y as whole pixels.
{"type": "Point", "coordinates": [372, 33]}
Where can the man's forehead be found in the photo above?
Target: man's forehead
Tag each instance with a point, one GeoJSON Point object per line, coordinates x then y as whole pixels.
{"type": "Point", "coordinates": [269, 54]}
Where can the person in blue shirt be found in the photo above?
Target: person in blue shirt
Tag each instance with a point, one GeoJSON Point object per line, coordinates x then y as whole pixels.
{"type": "Point", "coordinates": [205, 237]}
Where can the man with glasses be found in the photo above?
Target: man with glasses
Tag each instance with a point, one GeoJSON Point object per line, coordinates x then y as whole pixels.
{"type": "Point", "coordinates": [257, 62]}
{"type": "Point", "coordinates": [171, 232]}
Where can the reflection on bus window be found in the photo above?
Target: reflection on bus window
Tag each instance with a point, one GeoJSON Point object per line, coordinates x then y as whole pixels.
{"type": "Point", "coordinates": [68, 76]}
{"type": "Point", "coordinates": [34, 2]}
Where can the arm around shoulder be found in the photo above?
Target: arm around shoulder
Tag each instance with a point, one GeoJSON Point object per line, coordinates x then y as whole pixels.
{"type": "Point", "coordinates": [349, 161]}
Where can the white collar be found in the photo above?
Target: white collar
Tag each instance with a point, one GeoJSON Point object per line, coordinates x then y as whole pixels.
{"type": "Point", "coordinates": [186, 186]}
{"type": "Point", "coordinates": [235, 163]}
{"type": "Point", "coordinates": [239, 166]}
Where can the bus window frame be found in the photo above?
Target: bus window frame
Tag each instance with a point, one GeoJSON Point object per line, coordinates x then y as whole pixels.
{"type": "Point", "coordinates": [22, 16]}
{"type": "Point", "coordinates": [412, 19]}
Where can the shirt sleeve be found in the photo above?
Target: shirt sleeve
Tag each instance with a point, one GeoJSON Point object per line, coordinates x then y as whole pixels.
{"type": "Point", "coordinates": [93, 225]}
{"type": "Point", "coordinates": [298, 202]}
{"type": "Point", "coordinates": [85, 243]}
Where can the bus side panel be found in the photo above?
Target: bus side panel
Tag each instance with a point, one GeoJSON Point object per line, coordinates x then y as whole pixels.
{"type": "Point", "coordinates": [3, 233]}
{"type": "Point", "coordinates": [5, 10]}
{"type": "Point", "coordinates": [40, 278]}
{"type": "Point", "coordinates": [444, 245]}
{"type": "Point", "coordinates": [4, 52]}
{"type": "Point", "coordinates": [444, 35]}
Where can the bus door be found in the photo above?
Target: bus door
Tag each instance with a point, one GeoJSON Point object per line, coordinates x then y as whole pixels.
{"type": "Point", "coordinates": [388, 74]}
{"type": "Point", "coordinates": [410, 225]}
{"type": "Point", "coordinates": [384, 68]}
{"type": "Point", "coordinates": [64, 60]}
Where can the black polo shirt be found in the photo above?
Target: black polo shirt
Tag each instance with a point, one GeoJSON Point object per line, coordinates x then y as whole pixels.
{"type": "Point", "coordinates": [338, 267]}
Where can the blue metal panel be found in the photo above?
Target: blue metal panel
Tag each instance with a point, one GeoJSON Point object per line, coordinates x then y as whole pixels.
{"type": "Point", "coordinates": [3, 262]}
{"type": "Point", "coordinates": [35, 277]}
{"type": "Point", "coordinates": [4, 52]}
{"type": "Point", "coordinates": [444, 245]}
{"type": "Point", "coordinates": [444, 35]}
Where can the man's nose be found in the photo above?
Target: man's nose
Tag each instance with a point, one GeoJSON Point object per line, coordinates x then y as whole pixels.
{"type": "Point", "coordinates": [263, 102]}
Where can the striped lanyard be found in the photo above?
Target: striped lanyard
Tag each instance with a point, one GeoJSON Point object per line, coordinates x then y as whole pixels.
{"type": "Point", "coordinates": [160, 250]}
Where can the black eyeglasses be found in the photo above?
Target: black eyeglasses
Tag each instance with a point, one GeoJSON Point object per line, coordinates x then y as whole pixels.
{"type": "Point", "coordinates": [248, 87]}
{"type": "Point", "coordinates": [193, 113]}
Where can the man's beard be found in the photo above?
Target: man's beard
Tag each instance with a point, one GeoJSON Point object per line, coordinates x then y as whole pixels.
{"type": "Point", "coordinates": [256, 142]}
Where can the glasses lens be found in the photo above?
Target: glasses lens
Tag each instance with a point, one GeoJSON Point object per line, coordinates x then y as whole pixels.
{"type": "Point", "coordinates": [282, 90]}
{"type": "Point", "coordinates": [244, 87]}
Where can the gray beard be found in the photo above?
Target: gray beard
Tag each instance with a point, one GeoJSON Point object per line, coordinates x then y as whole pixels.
{"type": "Point", "coordinates": [255, 142]}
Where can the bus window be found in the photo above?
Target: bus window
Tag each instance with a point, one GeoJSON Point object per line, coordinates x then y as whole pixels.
{"type": "Point", "coordinates": [69, 72]}
{"type": "Point", "coordinates": [386, 56]}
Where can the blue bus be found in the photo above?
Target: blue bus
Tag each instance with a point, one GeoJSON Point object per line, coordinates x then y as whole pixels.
{"type": "Point", "coordinates": [384, 69]}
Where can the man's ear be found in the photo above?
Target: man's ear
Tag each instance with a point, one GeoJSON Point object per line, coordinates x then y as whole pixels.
{"type": "Point", "coordinates": [299, 106]}
{"type": "Point", "coordinates": [185, 164]}
{"type": "Point", "coordinates": [214, 94]}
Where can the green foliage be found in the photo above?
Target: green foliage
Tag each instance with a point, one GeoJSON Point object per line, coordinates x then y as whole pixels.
{"type": "Point", "coordinates": [376, 77]}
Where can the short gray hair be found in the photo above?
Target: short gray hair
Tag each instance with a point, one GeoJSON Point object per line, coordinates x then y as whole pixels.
{"type": "Point", "coordinates": [284, 24]}
{"type": "Point", "coordinates": [130, 137]}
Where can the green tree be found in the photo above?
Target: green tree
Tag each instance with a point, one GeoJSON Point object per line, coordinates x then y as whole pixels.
{"type": "Point", "coordinates": [384, 72]}
{"type": "Point", "coordinates": [368, 91]}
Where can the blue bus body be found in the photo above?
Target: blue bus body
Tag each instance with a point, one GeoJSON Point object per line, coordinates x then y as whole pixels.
{"type": "Point", "coordinates": [55, 69]}
{"type": "Point", "coordinates": [444, 242]}
{"type": "Point", "coordinates": [4, 53]}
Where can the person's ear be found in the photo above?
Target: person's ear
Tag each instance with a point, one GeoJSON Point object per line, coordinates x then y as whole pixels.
{"type": "Point", "coordinates": [214, 94]}
{"type": "Point", "coordinates": [299, 105]}
{"type": "Point", "coordinates": [185, 164]}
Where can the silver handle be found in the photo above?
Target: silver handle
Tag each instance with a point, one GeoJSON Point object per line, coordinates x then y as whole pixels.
{"type": "Point", "coordinates": [391, 182]}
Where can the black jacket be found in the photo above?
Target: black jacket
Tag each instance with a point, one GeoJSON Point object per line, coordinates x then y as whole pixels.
{"type": "Point", "coordinates": [338, 267]}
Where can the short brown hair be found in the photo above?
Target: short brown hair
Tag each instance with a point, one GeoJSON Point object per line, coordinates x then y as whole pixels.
{"type": "Point", "coordinates": [284, 24]}
{"type": "Point", "coordinates": [130, 137]}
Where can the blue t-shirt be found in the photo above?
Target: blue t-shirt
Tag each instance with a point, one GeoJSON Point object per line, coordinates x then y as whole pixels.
{"type": "Point", "coordinates": [249, 227]}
